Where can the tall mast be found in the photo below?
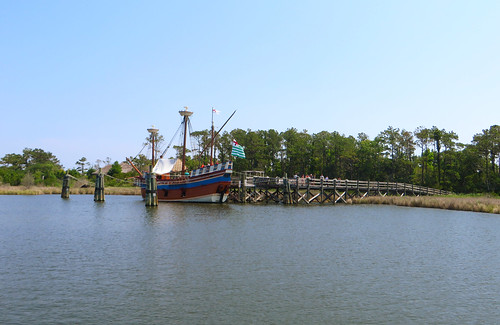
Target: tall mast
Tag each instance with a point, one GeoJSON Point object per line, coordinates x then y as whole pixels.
{"type": "Point", "coordinates": [153, 132]}
{"type": "Point", "coordinates": [185, 114]}
{"type": "Point", "coordinates": [212, 140]}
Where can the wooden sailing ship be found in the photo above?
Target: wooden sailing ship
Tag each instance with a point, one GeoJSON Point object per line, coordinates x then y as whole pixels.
{"type": "Point", "coordinates": [206, 184]}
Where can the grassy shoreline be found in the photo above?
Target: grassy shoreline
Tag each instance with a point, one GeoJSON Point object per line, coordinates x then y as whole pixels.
{"type": "Point", "coordinates": [474, 203]}
{"type": "Point", "coordinates": [40, 190]}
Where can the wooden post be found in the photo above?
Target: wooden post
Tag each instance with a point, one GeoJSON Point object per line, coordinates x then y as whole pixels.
{"type": "Point", "coordinates": [266, 188]}
{"type": "Point", "coordinates": [151, 189]}
{"type": "Point", "coordinates": [285, 190]}
{"type": "Point", "coordinates": [239, 190]}
{"type": "Point", "coordinates": [243, 188]}
{"type": "Point", "coordinates": [255, 196]}
{"type": "Point", "coordinates": [334, 191]}
{"type": "Point", "coordinates": [346, 190]}
{"type": "Point", "coordinates": [321, 190]}
{"type": "Point", "coordinates": [147, 199]}
{"type": "Point", "coordinates": [308, 189]}
{"type": "Point", "coordinates": [368, 189]}
{"type": "Point", "coordinates": [65, 187]}
{"type": "Point", "coordinates": [99, 187]}
{"type": "Point", "coordinates": [296, 192]}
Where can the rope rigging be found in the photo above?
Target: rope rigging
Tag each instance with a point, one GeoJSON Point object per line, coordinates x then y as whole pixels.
{"type": "Point", "coordinates": [140, 151]}
{"type": "Point", "coordinates": [168, 147]}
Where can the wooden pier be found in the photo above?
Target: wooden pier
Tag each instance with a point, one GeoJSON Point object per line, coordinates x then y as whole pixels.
{"type": "Point", "coordinates": [316, 190]}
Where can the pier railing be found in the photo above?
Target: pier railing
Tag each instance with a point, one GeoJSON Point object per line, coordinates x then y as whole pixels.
{"type": "Point", "coordinates": [319, 190]}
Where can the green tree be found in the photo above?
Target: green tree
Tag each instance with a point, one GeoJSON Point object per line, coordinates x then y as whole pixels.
{"type": "Point", "coordinates": [488, 146]}
{"type": "Point", "coordinates": [36, 156]}
{"type": "Point", "coordinates": [297, 151]}
{"type": "Point", "coordinates": [115, 169]}
{"type": "Point", "coordinates": [28, 180]}
{"type": "Point", "coordinates": [202, 140]}
{"type": "Point", "coordinates": [82, 162]}
{"type": "Point", "coordinates": [321, 152]}
{"type": "Point", "coordinates": [271, 152]}
{"type": "Point", "coordinates": [369, 154]}
{"type": "Point", "coordinates": [224, 146]}
{"type": "Point", "coordinates": [141, 162]}
{"type": "Point", "coordinates": [437, 136]}
{"type": "Point", "coordinates": [391, 140]}
{"type": "Point", "coordinates": [423, 140]}
{"type": "Point", "coordinates": [13, 160]}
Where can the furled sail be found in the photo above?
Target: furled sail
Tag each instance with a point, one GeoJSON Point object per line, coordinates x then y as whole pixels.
{"type": "Point", "coordinates": [165, 166]}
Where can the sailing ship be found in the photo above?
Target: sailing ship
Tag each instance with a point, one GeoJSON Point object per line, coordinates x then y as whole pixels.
{"type": "Point", "coordinates": [206, 184]}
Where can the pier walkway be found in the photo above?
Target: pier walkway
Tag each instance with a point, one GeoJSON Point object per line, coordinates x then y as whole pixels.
{"type": "Point", "coordinates": [317, 190]}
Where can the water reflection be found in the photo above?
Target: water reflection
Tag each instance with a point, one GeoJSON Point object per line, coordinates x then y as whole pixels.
{"type": "Point", "coordinates": [151, 214]}
{"type": "Point", "coordinates": [182, 212]}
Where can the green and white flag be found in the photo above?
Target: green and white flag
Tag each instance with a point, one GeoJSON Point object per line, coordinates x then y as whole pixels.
{"type": "Point", "coordinates": [237, 150]}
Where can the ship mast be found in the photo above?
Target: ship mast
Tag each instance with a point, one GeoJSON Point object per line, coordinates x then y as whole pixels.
{"type": "Point", "coordinates": [215, 134]}
{"type": "Point", "coordinates": [185, 114]}
{"type": "Point", "coordinates": [153, 134]}
{"type": "Point", "coordinates": [212, 140]}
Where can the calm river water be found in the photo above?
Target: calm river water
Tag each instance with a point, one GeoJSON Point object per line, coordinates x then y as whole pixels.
{"type": "Point", "coordinates": [79, 262]}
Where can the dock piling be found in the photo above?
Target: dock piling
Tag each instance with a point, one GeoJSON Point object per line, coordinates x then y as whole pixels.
{"type": "Point", "coordinates": [65, 187]}
{"type": "Point", "coordinates": [151, 189]}
{"type": "Point", "coordinates": [99, 187]}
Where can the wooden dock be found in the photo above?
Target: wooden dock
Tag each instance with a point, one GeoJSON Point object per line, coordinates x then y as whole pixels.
{"type": "Point", "coordinates": [258, 189]}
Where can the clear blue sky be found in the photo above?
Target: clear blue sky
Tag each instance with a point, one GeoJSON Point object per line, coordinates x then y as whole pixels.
{"type": "Point", "coordinates": [87, 78]}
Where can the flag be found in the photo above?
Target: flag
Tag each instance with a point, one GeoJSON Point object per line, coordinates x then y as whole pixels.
{"type": "Point", "coordinates": [237, 150]}
{"type": "Point", "coordinates": [215, 111]}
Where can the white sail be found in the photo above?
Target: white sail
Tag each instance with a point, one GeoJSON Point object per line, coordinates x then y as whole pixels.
{"type": "Point", "coordinates": [165, 166]}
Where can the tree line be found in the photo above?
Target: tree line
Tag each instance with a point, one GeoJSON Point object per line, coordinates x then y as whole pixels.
{"type": "Point", "coordinates": [32, 166]}
{"type": "Point", "coordinates": [42, 168]}
{"type": "Point", "coordinates": [427, 156]}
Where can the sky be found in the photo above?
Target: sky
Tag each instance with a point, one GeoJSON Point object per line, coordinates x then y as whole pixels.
{"type": "Point", "coordinates": [87, 78]}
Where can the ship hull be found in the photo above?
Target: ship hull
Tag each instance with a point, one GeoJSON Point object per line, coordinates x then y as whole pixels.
{"type": "Point", "coordinates": [208, 185]}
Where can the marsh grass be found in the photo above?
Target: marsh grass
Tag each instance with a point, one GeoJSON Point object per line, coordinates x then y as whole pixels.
{"type": "Point", "coordinates": [39, 190]}
{"type": "Point", "coordinates": [474, 203]}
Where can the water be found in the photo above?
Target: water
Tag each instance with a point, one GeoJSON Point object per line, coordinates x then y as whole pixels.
{"type": "Point", "coordinates": [79, 262]}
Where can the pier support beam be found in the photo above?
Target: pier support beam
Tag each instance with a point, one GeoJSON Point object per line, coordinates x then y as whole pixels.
{"type": "Point", "coordinates": [286, 191]}
{"type": "Point", "coordinates": [243, 188]}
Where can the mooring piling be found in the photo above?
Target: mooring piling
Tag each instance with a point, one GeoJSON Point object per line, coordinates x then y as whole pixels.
{"type": "Point", "coordinates": [65, 187]}
{"type": "Point", "coordinates": [151, 189]}
{"type": "Point", "coordinates": [99, 187]}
